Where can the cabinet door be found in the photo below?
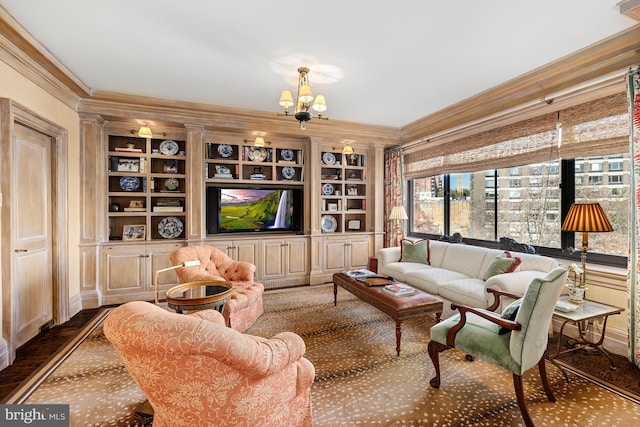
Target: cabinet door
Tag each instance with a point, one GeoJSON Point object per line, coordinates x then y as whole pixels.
{"type": "Point", "coordinates": [297, 257]}
{"type": "Point", "coordinates": [124, 268]}
{"type": "Point", "coordinates": [273, 259]}
{"type": "Point", "coordinates": [159, 258]}
{"type": "Point", "coordinates": [245, 251]}
{"type": "Point", "coordinates": [359, 252]}
{"type": "Point", "coordinates": [335, 254]}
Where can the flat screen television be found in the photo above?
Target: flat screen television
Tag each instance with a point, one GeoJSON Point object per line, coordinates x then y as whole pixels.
{"type": "Point", "coordinates": [248, 209]}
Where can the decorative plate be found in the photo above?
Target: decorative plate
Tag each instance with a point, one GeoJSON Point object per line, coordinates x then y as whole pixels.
{"type": "Point", "coordinates": [257, 154]}
{"type": "Point", "coordinates": [288, 172]}
{"type": "Point", "coordinates": [169, 147]}
{"type": "Point", "coordinates": [171, 184]}
{"type": "Point", "coordinates": [286, 154]}
{"type": "Point", "coordinates": [327, 189]}
{"type": "Point", "coordinates": [170, 227]}
{"type": "Point", "coordinates": [329, 158]}
{"type": "Point", "coordinates": [328, 223]}
{"type": "Point", "coordinates": [129, 183]}
{"type": "Point", "coordinates": [225, 150]}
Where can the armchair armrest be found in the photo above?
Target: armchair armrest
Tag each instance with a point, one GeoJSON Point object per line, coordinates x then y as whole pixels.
{"type": "Point", "coordinates": [497, 293]}
{"type": "Point", "coordinates": [492, 317]}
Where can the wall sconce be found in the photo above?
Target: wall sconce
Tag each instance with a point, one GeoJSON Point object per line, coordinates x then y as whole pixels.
{"type": "Point", "coordinates": [157, 273]}
{"type": "Point", "coordinates": [259, 142]}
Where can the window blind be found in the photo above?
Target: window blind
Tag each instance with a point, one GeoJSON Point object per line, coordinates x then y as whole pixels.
{"type": "Point", "coordinates": [592, 128]}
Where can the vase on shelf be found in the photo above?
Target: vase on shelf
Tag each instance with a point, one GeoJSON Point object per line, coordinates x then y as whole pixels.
{"type": "Point", "coordinates": [576, 293]}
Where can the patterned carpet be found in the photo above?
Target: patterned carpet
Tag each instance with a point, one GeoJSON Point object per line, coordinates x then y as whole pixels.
{"type": "Point", "coordinates": [359, 380]}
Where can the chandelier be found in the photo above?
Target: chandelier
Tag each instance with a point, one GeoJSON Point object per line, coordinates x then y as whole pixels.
{"type": "Point", "coordinates": [303, 101]}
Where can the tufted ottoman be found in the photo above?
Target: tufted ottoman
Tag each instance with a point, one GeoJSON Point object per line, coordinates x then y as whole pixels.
{"type": "Point", "coordinates": [245, 305]}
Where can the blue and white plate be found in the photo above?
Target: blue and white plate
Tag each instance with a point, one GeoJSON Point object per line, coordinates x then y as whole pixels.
{"type": "Point", "coordinates": [170, 227]}
{"type": "Point", "coordinates": [129, 183]}
{"type": "Point", "coordinates": [328, 223]}
{"type": "Point", "coordinates": [328, 158]}
{"type": "Point", "coordinates": [257, 154]}
{"type": "Point", "coordinates": [225, 150]}
{"type": "Point", "coordinates": [169, 147]}
{"type": "Point", "coordinates": [287, 154]}
{"type": "Point", "coordinates": [288, 172]}
{"type": "Point", "coordinates": [327, 189]}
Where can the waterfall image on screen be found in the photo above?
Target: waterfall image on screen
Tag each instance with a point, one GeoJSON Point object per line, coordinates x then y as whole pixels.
{"type": "Point", "coordinates": [252, 209]}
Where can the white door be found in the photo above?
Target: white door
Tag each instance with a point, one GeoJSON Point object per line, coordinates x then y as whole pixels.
{"type": "Point", "coordinates": [31, 233]}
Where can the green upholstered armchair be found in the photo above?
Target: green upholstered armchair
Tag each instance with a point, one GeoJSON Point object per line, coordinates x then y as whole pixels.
{"type": "Point", "coordinates": [516, 345]}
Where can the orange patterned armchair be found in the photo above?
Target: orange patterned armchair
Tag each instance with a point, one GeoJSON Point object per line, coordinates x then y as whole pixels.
{"type": "Point", "coordinates": [245, 305]}
{"type": "Point", "coordinates": [197, 372]}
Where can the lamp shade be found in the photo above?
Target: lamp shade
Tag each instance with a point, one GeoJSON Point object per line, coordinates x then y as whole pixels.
{"type": "Point", "coordinates": [320, 105]}
{"type": "Point", "coordinates": [286, 100]}
{"type": "Point", "coordinates": [305, 95]}
{"type": "Point", "coordinates": [145, 132]}
{"type": "Point", "coordinates": [259, 142]}
{"type": "Point", "coordinates": [347, 149]}
{"type": "Point", "coordinates": [586, 217]}
{"type": "Point", "coordinates": [398, 213]}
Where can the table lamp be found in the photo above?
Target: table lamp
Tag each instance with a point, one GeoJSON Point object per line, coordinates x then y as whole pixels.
{"type": "Point", "coordinates": [586, 218]}
{"type": "Point", "coordinates": [174, 267]}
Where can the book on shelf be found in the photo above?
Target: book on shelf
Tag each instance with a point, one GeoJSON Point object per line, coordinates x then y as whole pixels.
{"type": "Point", "coordinates": [223, 175]}
{"type": "Point", "coordinates": [168, 209]}
{"type": "Point", "coordinates": [128, 150]}
{"type": "Point", "coordinates": [135, 209]}
{"type": "Point", "coordinates": [399, 289]}
{"type": "Point", "coordinates": [360, 273]}
{"type": "Point", "coordinates": [168, 202]}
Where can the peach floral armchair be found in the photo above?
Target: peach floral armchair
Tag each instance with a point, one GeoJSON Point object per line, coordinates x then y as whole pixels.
{"type": "Point", "coordinates": [245, 305]}
{"type": "Point", "coordinates": [195, 371]}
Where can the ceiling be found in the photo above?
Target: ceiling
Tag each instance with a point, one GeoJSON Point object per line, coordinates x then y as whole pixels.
{"type": "Point", "coordinates": [376, 62]}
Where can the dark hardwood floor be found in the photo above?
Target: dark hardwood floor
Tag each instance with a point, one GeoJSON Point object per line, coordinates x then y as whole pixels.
{"type": "Point", "coordinates": [38, 350]}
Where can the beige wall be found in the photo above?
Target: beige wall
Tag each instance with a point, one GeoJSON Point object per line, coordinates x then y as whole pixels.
{"type": "Point", "coordinates": [29, 95]}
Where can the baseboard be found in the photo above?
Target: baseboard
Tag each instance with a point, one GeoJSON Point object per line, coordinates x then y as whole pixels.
{"type": "Point", "coordinates": [4, 354]}
{"type": "Point", "coordinates": [615, 340]}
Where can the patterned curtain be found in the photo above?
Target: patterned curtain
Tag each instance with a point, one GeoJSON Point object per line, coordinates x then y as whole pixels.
{"type": "Point", "coordinates": [633, 284]}
{"type": "Point", "coordinates": [393, 192]}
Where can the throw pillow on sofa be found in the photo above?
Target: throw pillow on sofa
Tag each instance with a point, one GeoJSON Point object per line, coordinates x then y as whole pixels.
{"type": "Point", "coordinates": [417, 251]}
{"type": "Point", "coordinates": [502, 263]}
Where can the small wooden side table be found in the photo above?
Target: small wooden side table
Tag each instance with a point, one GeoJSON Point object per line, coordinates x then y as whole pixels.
{"type": "Point", "coordinates": [583, 317]}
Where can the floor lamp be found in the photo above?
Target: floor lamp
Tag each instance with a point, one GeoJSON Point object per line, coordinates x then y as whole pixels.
{"type": "Point", "coordinates": [397, 215]}
{"type": "Point", "coordinates": [174, 267]}
{"type": "Point", "coordinates": [586, 218]}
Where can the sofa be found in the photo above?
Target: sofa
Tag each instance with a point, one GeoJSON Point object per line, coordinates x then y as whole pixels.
{"type": "Point", "coordinates": [245, 305]}
{"type": "Point", "coordinates": [195, 371]}
{"type": "Point", "coordinates": [460, 273]}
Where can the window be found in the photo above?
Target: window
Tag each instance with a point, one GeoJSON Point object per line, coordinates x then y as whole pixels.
{"type": "Point", "coordinates": [615, 166]}
{"type": "Point", "coordinates": [527, 210]}
{"type": "Point", "coordinates": [615, 179]}
{"type": "Point", "coordinates": [595, 167]}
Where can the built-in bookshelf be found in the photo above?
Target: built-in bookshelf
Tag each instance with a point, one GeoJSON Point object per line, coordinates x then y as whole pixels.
{"type": "Point", "coordinates": [343, 187]}
{"type": "Point", "coordinates": [242, 163]}
{"type": "Point", "coordinates": [146, 188]}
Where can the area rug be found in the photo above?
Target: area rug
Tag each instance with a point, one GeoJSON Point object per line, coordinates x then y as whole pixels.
{"type": "Point", "coordinates": [359, 379]}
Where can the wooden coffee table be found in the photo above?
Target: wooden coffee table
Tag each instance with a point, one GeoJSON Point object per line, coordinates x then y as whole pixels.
{"type": "Point", "coordinates": [399, 308]}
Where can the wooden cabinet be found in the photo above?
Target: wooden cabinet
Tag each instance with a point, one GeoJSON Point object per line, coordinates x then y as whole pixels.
{"type": "Point", "coordinates": [342, 253]}
{"type": "Point", "coordinates": [146, 188]}
{"type": "Point", "coordinates": [343, 184]}
{"type": "Point", "coordinates": [284, 262]}
{"type": "Point", "coordinates": [129, 268]}
{"type": "Point", "coordinates": [238, 250]}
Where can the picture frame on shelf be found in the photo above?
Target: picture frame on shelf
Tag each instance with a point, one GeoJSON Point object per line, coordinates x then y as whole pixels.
{"type": "Point", "coordinates": [333, 207]}
{"type": "Point", "coordinates": [133, 232]}
{"type": "Point", "coordinates": [352, 191]}
{"type": "Point", "coordinates": [136, 204]}
{"type": "Point", "coordinates": [128, 164]}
